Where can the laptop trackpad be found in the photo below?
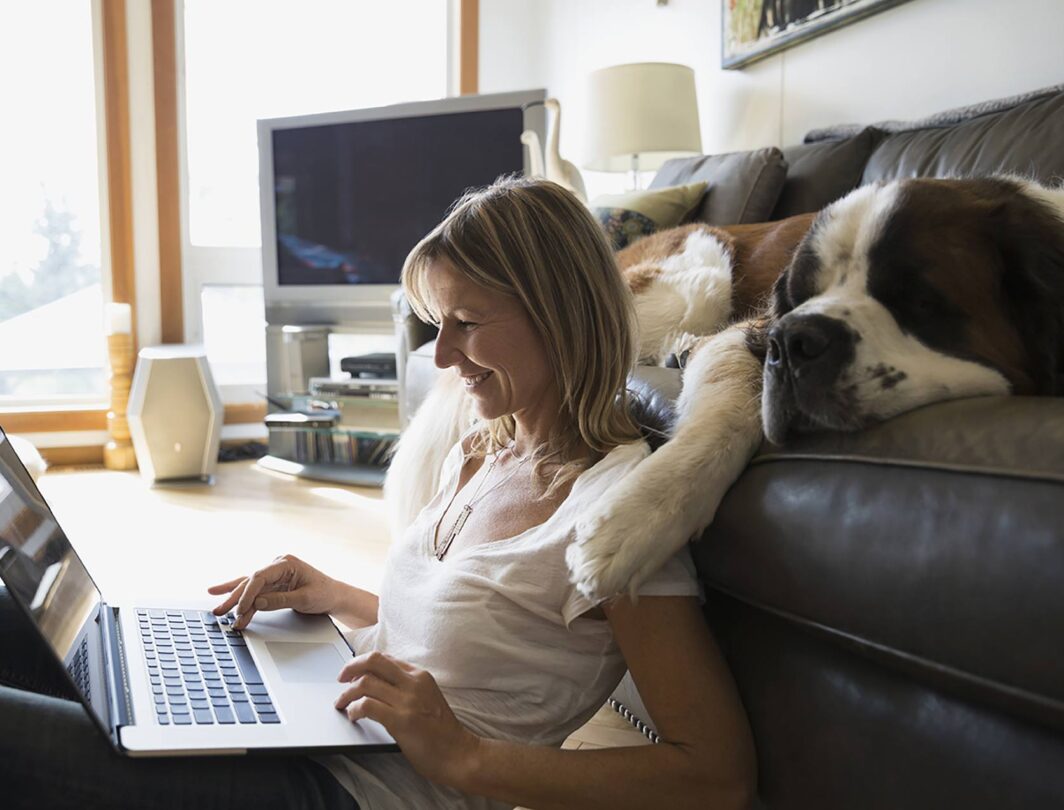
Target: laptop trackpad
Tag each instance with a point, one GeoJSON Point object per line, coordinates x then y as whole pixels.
{"type": "Point", "coordinates": [305, 662]}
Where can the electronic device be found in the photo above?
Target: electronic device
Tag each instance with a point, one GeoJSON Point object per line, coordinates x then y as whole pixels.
{"type": "Point", "coordinates": [345, 196]}
{"type": "Point", "coordinates": [380, 364]}
{"type": "Point", "coordinates": [362, 387]}
{"type": "Point", "coordinates": [173, 679]}
{"type": "Point", "coordinates": [175, 414]}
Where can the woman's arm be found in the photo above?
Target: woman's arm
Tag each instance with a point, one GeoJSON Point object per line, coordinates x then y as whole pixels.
{"type": "Point", "coordinates": [288, 582]}
{"type": "Point", "coordinates": [706, 755]}
{"type": "Point", "coordinates": [354, 606]}
{"type": "Point", "coordinates": [705, 759]}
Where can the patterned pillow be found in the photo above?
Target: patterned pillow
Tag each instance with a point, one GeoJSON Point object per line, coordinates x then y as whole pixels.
{"type": "Point", "coordinates": [628, 217]}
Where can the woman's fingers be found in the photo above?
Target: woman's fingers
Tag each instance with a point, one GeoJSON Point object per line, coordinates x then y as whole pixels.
{"type": "Point", "coordinates": [374, 663]}
{"type": "Point", "coordinates": [232, 598]}
{"type": "Point", "coordinates": [277, 571]}
{"type": "Point", "coordinates": [225, 587]}
{"type": "Point", "coordinates": [373, 709]}
{"type": "Point", "coordinates": [371, 686]}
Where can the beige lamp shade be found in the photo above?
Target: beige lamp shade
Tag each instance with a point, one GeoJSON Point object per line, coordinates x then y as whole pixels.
{"type": "Point", "coordinates": [647, 109]}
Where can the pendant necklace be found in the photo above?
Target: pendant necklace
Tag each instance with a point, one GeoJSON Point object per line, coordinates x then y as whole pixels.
{"type": "Point", "coordinates": [467, 510]}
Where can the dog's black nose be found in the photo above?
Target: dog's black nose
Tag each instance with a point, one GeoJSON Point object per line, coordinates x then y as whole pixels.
{"type": "Point", "coordinates": [811, 346]}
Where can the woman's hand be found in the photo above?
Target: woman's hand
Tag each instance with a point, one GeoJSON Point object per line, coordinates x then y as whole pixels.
{"type": "Point", "coordinates": [287, 582]}
{"type": "Point", "coordinates": [409, 704]}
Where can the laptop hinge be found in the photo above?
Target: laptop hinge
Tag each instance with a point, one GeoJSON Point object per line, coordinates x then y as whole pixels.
{"type": "Point", "coordinates": [115, 670]}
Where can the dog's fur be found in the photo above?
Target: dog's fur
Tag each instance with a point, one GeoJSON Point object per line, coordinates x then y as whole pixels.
{"type": "Point", "coordinates": [29, 456]}
{"type": "Point", "coordinates": [899, 295]}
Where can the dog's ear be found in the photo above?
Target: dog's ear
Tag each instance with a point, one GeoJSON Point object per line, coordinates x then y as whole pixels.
{"type": "Point", "coordinates": [1030, 236]}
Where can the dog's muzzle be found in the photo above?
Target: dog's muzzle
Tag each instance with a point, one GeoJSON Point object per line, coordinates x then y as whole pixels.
{"type": "Point", "coordinates": [806, 357]}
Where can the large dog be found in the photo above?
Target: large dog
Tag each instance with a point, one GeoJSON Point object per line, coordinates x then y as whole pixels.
{"type": "Point", "coordinates": [898, 295]}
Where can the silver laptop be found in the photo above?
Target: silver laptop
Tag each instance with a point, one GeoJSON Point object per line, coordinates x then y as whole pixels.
{"type": "Point", "coordinates": [166, 679]}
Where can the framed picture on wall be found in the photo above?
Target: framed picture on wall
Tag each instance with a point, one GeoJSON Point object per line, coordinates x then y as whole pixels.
{"type": "Point", "coordinates": [754, 29]}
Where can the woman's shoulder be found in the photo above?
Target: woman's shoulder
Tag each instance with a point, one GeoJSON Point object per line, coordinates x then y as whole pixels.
{"type": "Point", "coordinates": [613, 466]}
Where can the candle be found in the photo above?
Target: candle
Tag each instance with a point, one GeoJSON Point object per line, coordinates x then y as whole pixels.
{"type": "Point", "coordinates": [119, 319]}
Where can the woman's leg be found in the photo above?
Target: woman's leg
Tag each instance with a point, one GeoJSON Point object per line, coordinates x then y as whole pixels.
{"type": "Point", "coordinates": [52, 755]}
{"type": "Point", "coordinates": [24, 660]}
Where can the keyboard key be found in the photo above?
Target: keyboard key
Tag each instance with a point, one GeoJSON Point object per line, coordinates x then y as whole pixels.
{"type": "Point", "coordinates": [244, 712]}
{"type": "Point", "coordinates": [204, 717]}
{"type": "Point", "coordinates": [260, 700]}
{"type": "Point", "coordinates": [182, 720]}
{"type": "Point", "coordinates": [257, 689]}
{"type": "Point", "coordinates": [178, 709]}
{"type": "Point", "coordinates": [247, 665]}
{"type": "Point", "coordinates": [224, 715]}
{"type": "Point", "coordinates": [269, 718]}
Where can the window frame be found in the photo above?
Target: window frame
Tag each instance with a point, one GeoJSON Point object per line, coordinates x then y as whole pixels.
{"type": "Point", "coordinates": [181, 265]}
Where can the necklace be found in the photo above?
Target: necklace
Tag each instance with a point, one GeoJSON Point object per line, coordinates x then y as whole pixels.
{"type": "Point", "coordinates": [467, 510]}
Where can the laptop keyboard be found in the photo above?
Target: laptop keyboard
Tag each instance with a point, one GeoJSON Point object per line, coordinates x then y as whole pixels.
{"type": "Point", "coordinates": [79, 669]}
{"type": "Point", "coordinates": [201, 670]}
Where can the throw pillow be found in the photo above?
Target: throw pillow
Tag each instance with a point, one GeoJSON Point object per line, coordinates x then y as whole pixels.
{"type": "Point", "coordinates": [630, 216]}
{"type": "Point", "coordinates": [820, 173]}
{"type": "Point", "coordinates": [744, 186]}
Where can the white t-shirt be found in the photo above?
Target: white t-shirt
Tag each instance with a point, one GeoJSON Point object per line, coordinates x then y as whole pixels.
{"type": "Point", "coordinates": [499, 626]}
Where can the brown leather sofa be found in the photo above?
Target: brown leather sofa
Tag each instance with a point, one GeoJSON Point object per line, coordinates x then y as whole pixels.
{"type": "Point", "coordinates": [891, 602]}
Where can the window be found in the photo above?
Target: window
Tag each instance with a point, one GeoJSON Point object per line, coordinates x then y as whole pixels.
{"type": "Point", "coordinates": [251, 59]}
{"type": "Point", "coordinates": [52, 347]}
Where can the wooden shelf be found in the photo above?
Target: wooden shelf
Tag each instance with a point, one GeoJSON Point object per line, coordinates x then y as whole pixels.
{"type": "Point", "coordinates": [359, 475]}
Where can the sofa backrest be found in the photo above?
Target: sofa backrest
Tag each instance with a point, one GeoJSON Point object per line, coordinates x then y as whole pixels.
{"type": "Point", "coordinates": [1025, 139]}
{"type": "Point", "coordinates": [1021, 135]}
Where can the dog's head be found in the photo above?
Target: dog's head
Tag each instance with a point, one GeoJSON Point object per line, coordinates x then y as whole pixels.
{"type": "Point", "coordinates": [914, 292]}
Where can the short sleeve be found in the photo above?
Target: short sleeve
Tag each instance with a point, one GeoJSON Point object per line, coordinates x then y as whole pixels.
{"type": "Point", "coordinates": [677, 577]}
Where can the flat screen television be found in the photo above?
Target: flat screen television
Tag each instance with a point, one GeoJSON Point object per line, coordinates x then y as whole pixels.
{"type": "Point", "coordinates": [345, 196]}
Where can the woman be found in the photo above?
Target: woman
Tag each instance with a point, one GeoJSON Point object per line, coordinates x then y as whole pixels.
{"type": "Point", "coordinates": [480, 656]}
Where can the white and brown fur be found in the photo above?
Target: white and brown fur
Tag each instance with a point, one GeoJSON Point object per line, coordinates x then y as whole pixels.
{"type": "Point", "coordinates": [937, 289]}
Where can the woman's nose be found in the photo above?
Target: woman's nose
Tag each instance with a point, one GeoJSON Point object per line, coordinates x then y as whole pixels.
{"type": "Point", "coordinates": [446, 353]}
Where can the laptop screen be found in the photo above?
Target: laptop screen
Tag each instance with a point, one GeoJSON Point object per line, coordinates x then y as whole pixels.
{"type": "Point", "coordinates": [37, 563]}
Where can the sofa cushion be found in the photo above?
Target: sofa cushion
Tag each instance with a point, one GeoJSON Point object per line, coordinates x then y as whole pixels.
{"type": "Point", "coordinates": [820, 173]}
{"type": "Point", "coordinates": [630, 216]}
{"type": "Point", "coordinates": [743, 186]}
{"type": "Point", "coordinates": [1024, 139]}
{"type": "Point", "coordinates": [930, 542]}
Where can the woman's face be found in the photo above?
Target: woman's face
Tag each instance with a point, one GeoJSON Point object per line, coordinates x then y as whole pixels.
{"type": "Point", "coordinates": [490, 341]}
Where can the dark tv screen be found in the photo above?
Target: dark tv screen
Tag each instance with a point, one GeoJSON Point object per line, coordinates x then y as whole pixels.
{"type": "Point", "coordinates": [351, 200]}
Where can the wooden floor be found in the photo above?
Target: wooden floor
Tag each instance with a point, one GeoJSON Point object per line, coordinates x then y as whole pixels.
{"type": "Point", "coordinates": [164, 542]}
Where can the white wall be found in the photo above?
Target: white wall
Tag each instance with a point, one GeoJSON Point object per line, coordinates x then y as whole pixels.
{"type": "Point", "coordinates": [906, 62]}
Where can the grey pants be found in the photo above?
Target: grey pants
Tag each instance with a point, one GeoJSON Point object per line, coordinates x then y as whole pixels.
{"type": "Point", "coordinates": [53, 756]}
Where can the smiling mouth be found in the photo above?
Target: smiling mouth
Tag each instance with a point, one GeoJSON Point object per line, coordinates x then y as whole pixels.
{"type": "Point", "coordinates": [477, 379]}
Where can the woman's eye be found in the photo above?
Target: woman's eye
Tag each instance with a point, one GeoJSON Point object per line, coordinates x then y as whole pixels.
{"type": "Point", "coordinates": [466, 324]}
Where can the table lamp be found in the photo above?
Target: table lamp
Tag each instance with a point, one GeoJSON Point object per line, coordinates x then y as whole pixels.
{"type": "Point", "coordinates": [640, 116]}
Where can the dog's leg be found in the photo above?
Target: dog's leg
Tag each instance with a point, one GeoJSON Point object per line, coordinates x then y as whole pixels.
{"type": "Point", "coordinates": [414, 472]}
{"type": "Point", "coordinates": [673, 495]}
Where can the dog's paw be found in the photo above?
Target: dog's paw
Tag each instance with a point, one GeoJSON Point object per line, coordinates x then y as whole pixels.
{"type": "Point", "coordinates": [617, 547]}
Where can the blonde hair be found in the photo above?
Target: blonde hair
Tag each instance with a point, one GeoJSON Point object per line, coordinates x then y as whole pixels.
{"type": "Point", "coordinates": [534, 240]}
